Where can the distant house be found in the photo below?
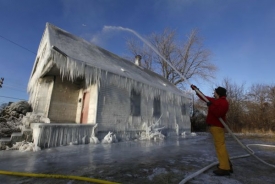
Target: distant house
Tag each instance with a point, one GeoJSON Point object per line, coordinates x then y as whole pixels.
{"type": "Point", "coordinates": [74, 81]}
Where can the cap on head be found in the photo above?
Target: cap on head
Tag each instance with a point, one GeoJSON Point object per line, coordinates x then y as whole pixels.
{"type": "Point", "coordinates": [220, 91]}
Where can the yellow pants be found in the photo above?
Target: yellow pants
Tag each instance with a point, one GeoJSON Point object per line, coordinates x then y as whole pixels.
{"type": "Point", "coordinates": [219, 142]}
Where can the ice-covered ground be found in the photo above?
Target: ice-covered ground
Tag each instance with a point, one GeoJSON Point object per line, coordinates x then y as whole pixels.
{"type": "Point", "coordinates": [148, 161]}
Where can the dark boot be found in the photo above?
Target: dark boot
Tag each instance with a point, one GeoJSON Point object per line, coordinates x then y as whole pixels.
{"type": "Point", "coordinates": [231, 167]}
{"type": "Point", "coordinates": [221, 172]}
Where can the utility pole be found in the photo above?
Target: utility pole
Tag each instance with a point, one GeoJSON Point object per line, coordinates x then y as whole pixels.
{"type": "Point", "coordinates": [1, 81]}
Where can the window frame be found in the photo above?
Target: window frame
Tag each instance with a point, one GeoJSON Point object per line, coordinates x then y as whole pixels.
{"type": "Point", "coordinates": [135, 103]}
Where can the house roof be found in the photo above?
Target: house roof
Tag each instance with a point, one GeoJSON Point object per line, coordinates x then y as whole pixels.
{"type": "Point", "coordinates": [76, 56]}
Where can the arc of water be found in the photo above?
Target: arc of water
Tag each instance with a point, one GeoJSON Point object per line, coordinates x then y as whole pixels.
{"type": "Point", "coordinates": [149, 44]}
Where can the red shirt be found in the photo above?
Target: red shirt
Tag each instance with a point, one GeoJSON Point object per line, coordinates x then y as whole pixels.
{"type": "Point", "coordinates": [216, 110]}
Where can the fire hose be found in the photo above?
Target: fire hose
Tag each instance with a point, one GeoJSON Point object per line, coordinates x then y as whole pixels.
{"type": "Point", "coordinates": [58, 176]}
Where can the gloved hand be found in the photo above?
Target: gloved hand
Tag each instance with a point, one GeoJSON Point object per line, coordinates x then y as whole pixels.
{"type": "Point", "coordinates": [194, 87]}
{"type": "Point", "coordinates": [208, 103]}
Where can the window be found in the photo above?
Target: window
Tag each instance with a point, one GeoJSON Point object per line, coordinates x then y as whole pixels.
{"type": "Point", "coordinates": [183, 109]}
{"type": "Point", "coordinates": [135, 103]}
{"type": "Point", "coordinates": [157, 109]}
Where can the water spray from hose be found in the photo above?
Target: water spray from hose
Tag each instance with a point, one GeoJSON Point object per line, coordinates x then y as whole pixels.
{"type": "Point", "coordinates": [150, 45]}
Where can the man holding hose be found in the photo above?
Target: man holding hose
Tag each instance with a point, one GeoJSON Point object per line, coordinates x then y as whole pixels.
{"type": "Point", "coordinates": [217, 108]}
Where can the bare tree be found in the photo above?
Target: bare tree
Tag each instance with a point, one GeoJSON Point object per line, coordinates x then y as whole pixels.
{"type": "Point", "coordinates": [271, 110]}
{"type": "Point", "coordinates": [236, 98]}
{"type": "Point", "coordinates": [190, 58]}
{"type": "Point", "coordinates": [261, 106]}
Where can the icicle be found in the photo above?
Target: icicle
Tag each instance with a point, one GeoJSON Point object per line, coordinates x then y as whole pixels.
{"type": "Point", "coordinates": [177, 129]}
{"type": "Point", "coordinates": [72, 69]}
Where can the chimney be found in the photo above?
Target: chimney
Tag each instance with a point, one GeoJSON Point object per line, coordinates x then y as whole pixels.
{"type": "Point", "coordinates": [138, 60]}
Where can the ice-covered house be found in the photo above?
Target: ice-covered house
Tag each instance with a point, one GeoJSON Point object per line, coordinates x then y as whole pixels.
{"type": "Point", "coordinates": [78, 84]}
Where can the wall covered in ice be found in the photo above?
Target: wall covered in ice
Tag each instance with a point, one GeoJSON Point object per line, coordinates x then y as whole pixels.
{"type": "Point", "coordinates": [114, 111]}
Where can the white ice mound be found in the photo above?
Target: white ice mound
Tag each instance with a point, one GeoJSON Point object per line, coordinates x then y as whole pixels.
{"type": "Point", "coordinates": [24, 146]}
{"type": "Point", "coordinates": [34, 118]}
{"type": "Point", "coordinates": [109, 138]}
{"type": "Point", "coordinates": [188, 134]}
{"type": "Point", "coordinates": [151, 132]}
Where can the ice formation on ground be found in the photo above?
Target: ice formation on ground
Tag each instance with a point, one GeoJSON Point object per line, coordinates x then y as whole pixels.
{"type": "Point", "coordinates": [109, 138]}
{"type": "Point", "coordinates": [157, 171]}
{"type": "Point", "coordinates": [25, 122]}
{"type": "Point", "coordinates": [183, 134]}
{"type": "Point", "coordinates": [93, 138]}
{"type": "Point", "coordinates": [14, 110]}
{"type": "Point", "coordinates": [34, 118]}
{"type": "Point", "coordinates": [152, 131]}
{"type": "Point", "coordinates": [10, 117]}
{"type": "Point", "coordinates": [9, 127]}
{"type": "Point", "coordinates": [23, 146]}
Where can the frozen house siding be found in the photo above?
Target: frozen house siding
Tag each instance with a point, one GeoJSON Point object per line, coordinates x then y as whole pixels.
{"type": "Point", "coordinates": [113, 108]}
{"type": "Point", "coordinates": [114, 111]}
{"type": "Point", "coordinates": [173, 117]}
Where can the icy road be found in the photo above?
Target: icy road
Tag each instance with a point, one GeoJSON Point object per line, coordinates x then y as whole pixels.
{"type": "Point", "coordinates": [136, 162]}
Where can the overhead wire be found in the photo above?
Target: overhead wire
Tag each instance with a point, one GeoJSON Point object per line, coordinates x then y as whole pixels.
{"type": "Point", "coordinates": [15, 88]}
{"type": "Point", "coordinates": [11, 87]}
{"type": "Point", "coordinates": [17, 44]}
{"type": "Point", "coordinates": [12, 97]}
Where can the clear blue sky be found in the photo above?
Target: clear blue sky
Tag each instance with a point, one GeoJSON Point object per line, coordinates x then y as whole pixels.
{"type": "Point", "coordinates": [239, 33]}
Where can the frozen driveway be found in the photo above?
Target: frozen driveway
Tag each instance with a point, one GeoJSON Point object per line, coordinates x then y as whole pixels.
{"type": "Point", "coordinates": [167, 161]}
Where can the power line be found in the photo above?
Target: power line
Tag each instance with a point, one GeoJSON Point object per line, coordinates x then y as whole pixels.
{"type": "Point", "coordinates": [16, 85]}
{"type": "Point", "coordinates": [17, 44]}
{"type": "Point", "coordinates": [12, 97]}
{"type": "Point", "coordinates": [15, 82]}
{"type": "Point", "coordinates": [15, 88]}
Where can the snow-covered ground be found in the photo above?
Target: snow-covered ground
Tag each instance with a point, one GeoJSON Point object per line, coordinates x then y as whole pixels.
{"type": "Point", "coordinates": [148, 161]}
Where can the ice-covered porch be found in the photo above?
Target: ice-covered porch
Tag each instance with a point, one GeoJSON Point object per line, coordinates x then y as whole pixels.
{"type": "Point", "coordinates": [47, 135]}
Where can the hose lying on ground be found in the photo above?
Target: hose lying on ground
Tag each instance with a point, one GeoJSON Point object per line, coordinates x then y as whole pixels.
{"type": "Point", "coordinates": [56, 176]}
{"type": "Point", "coordinates": [231, 158]}
{"type": "Point", "coordinates": [206, 168]}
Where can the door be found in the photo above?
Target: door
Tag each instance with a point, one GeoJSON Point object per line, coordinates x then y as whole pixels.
{"type": "Point", "coordinates": [85, 108]}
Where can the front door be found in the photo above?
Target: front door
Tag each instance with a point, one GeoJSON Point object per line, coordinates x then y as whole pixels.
{"type": "Point", "coordinates": [85, 108]}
